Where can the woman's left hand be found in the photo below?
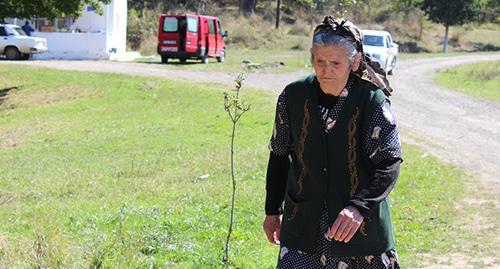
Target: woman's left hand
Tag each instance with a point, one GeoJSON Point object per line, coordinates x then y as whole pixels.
{"type": "Point", "coordinates": [346, 225]}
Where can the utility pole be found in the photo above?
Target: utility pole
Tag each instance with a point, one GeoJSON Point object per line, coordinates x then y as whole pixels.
{"type": "Point", "coordinates": [278, 4]}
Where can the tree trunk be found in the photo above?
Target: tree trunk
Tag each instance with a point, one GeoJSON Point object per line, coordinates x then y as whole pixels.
{"type": "Point", "coordinates": [421, 30]}
{"type": "Point", "coordinates": [247, 7]}
{"type": "Point", "coordinates": [278, 4]}
{"type": "Point", "coordinates": [445, 45]}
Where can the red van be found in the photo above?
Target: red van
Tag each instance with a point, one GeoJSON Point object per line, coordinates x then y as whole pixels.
{"type": "Point", "coordinates": [190, 37]}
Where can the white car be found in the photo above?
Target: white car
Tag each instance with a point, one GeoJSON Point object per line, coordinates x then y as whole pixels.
{"type": "Point", "coordinates": [16, 45]}
{"type": "Point", "coordinates": [380, 47]}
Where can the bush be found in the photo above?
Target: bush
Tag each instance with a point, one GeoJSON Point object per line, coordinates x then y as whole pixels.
{"type": "Point", "coordinates": [141, 25]}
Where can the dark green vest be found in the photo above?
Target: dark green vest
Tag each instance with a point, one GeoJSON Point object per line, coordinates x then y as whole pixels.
{"type": "Point", "coordinates": [330, 168]}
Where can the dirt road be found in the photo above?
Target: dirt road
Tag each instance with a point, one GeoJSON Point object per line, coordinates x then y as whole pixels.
{"type": "Point", "coordinates": [458, 129]}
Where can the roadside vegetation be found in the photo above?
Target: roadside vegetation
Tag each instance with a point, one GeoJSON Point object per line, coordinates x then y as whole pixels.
{"type": "Point", "coordinates": [409, 26]}
{"type": "Point", "coordinates": [114, 171]}
{"type": "Point", "coordinates": [480, 80]}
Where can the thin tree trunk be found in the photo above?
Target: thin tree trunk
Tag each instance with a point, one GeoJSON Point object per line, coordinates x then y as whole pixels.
{"type": "Point", "coordinates": [445, 45]}
{"type": "Point", "coordinates": [278, 4]}
{"type": "Point", "coordinates": [421, 30]}
{"type": "Point", "coordinates": [248, 7]}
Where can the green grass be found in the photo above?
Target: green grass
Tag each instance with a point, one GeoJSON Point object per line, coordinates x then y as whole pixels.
{"type": "Point", "coordinates": [103, 170]}
{"type": "Point", "coordinates": [480, 80]}
{"type": "Point", "coordinates": [267, 59]}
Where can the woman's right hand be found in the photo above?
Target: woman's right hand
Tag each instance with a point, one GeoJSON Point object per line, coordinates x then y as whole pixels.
{"type": "Point", "coordinates": [272, 226]}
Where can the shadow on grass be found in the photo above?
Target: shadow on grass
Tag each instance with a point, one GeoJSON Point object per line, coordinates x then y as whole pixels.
{"type": "Point", "coordinates": [5, 92]}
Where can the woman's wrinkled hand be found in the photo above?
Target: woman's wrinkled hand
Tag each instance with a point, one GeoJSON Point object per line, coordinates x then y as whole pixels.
{"type": "Point", "coordinates": [346, 225]}
{"type": "Point", "coordinates": [272, 226]}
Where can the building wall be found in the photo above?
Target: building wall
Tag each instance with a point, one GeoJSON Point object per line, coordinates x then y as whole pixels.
{"type": "Point", "coordinates": [90, 21]}
{"type": "Point", "coordinates": [74, 46]}
{"type": "Point", "coordinates": [100, 37]}
{"type": "Point", "coordinates": [116, 38]}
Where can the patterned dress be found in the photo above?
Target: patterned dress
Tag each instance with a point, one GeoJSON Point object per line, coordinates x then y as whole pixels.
{"type": "Point", "coordinates": [381, 143]}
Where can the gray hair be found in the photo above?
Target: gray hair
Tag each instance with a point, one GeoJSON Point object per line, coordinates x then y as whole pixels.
{"type": "Point", "coordinates": [331, 39]}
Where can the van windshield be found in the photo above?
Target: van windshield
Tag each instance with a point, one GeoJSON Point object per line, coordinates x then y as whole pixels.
{"type": "Point", "coordinates": [374, 40]}
{"type": "Point", "coordinates": [170, 24]}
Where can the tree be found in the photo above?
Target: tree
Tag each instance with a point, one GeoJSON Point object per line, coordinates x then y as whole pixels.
{"type": "Point", "coordinates": [450, 13]}
{"type": "Point", "coordinates": [490, 11]}
{"type": "Point", "coordinates": [278, 6]}
{"type": "Point", "coordinates": [47, 8]}
{"type": "Point", "coordinates": [247, 7]}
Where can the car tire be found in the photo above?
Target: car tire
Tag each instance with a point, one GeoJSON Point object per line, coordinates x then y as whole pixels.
{"type": "Point", "coordinates": [12, 53]}
{"type": "Point", "coordinates": [393, 66]}
{"type": "Point", "coordinates": [25, 56]}
{"type": "Point", "coordinates": [164, 59]}
{"type": "Point", "coordinates": [222, 56]}
{"type": "Point", "coordinates": [204, 59]}
{"type": "Point", "coordinates": [182, 60]}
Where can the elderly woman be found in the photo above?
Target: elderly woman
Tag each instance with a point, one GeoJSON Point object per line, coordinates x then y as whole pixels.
{"type": "Point", "coordinates": [335, 156]}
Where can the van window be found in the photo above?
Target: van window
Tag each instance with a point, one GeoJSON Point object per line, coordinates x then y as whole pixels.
{"type": "Point", "coordinates": [218, 28]}
{"type": "Point", "coordinates": [192, 25]}
{"type": "Point", "coordinates": [170, 24]}
{"type": "Point", "coordinates": [211, 26]}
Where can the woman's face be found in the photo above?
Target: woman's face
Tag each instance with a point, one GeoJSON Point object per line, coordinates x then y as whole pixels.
{"type": "Point", "coordinates": [332, 66]}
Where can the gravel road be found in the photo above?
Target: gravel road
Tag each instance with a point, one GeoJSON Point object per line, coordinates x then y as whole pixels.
{"type": "Point", "coordinates": [458, 129]}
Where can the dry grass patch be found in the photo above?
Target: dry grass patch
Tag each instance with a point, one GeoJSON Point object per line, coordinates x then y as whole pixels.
{"type": "Point", "coordinates": [48, 97]}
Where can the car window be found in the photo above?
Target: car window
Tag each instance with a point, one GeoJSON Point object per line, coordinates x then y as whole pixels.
{"type": "Point", "coordinates": [218, 28]}
{"type": "Point", "coordinates": [170, 24]}
{"type": "Point", "coordinates": [389, 39]}
{"type": "Point", "coordinates": [211, 26]}
{"type": "Point", "coordinates": [373, 40]}
{"type": "Point", "coordinates": [2, 31]}
{"type": "Point", "coordinates": [19, 31]}
{"type": "Point", "coordinates": [389, 44]}
{"type": "Point", "coordinates": [192, 25]}
{"type": "Point", "coordinates": [10, 31]}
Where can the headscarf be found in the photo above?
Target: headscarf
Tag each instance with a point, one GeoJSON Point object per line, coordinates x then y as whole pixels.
{"type": "Point", "coordinates": [368, 70]}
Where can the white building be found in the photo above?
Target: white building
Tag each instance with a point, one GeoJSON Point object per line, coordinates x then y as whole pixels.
{"type": "Point", "coordinates": [90, 36]}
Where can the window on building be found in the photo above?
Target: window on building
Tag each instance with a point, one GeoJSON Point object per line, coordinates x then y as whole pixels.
{"type": "Point", "coordinates": [90, 8]}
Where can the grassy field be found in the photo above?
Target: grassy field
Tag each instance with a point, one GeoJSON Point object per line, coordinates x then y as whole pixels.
{"type": "Point", "coordinates": [261, 60]}
{"type": "Point", "coordinates": [107, 171]}
{"type": "Point", "coordinates": [480, 80]}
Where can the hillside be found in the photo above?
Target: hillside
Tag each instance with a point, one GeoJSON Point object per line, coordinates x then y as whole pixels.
{"type": "Point", "coordinates": [410, 28]}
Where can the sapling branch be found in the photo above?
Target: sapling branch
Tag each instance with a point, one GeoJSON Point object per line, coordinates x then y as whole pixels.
{"type": "Point", "coordinates": [235, 109]}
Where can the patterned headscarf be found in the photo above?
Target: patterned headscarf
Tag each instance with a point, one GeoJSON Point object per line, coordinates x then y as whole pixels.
{"type": "Point", "coordinates": [368, 70]}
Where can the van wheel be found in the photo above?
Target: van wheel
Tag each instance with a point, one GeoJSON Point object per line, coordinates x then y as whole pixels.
{"type": "Point", "coordinates": [204, 59]}
{"type": "Point", "coordinates": [25, 56]}
{"type": "Point", "coordinates": [182, 60]}
{"type": "Point", "coordinates": [164, 59]}
{"type": "Point", "coordinates": [222, 56]}
{"type": "Point", "coordinates": [12, 53]}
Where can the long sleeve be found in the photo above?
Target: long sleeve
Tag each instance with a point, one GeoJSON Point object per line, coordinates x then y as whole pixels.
{"type": "Point", "coordinates": [384, 179]}
{"type": "Point", "coordinates": [277, 171]}
{"type": "Point", "coordinates": [382, 145]}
